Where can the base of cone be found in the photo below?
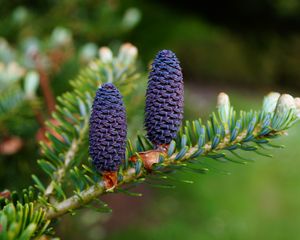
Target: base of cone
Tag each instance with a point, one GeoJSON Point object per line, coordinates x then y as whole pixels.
{"type": "Point", "coordinates": [110, 180]}
{"type": "Point", "coordinates": [150, 157]}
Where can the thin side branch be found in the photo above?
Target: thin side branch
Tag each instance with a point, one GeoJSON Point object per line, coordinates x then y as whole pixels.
{"type": "Point", "coordinates": [46, 88]}
{"type": "Point", "coordinates": [69, 157]}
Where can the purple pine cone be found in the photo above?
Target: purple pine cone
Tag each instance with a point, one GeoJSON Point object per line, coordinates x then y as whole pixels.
{"type": "Point", "coordinates": [108, 129]}
{"type": "Point", "coordinates": [164, 99]}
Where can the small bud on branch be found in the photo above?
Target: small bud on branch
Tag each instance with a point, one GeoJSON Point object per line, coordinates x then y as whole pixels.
{"type": "Point", "coordinates": [285, 103]}
{"type": "Point", "coordinates": [105, 55]}
{"type": "Point", "coordinates": [270, 102]}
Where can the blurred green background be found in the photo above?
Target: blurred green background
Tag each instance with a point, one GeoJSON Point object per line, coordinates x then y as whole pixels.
{"type": "Point", "coordinates": [245, 48]}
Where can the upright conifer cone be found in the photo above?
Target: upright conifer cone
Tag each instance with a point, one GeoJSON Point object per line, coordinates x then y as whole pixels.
{"type": "Point", "coordinates": [164, 99]}
{"type": "Point", "coordinates": [108, 129]}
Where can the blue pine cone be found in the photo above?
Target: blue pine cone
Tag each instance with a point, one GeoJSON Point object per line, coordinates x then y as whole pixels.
{"type": "Point", "coordinates": [108, 129]}
{"type": "Point", "coordinates": [164, 99]}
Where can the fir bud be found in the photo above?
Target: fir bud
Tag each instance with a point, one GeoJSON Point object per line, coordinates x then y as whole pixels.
{"type": "Point", "coordinates": [61, 37]}
{"type": "Point", "coordinates": [297, 103]}
{"type": "Point", "coordinates": [108, 129]}
{"type": "Point", "coordinates": [285, 103]}
{"type": "Point", "coordinates": [128, 53]}
{"type": "Point", "coordinates": [223, 104]}
{"type": "Point", "coordinates": [164, 99]}
{"type": "Point", "coordinates": [270, 102]}
{"type": "Point", "coordinates": [105, 54]}
{"type": "Point", "coordinates": [31, 84]}
{"type": "Point", "coordinates": [88, 52]}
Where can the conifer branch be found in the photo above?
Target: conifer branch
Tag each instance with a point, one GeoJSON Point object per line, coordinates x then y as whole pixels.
{"type": "Point", "coordinates": [269, 123]}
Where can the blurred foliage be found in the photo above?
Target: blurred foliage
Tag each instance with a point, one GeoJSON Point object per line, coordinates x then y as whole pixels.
{"type": "Point", "coordinates": [235, 45]}
{"type": "Point", "coordinates": [223, 53]}
{"type": "Point", "coordinates": [90, 20]}
{"type": "Point", "coordinates": [37, 58]}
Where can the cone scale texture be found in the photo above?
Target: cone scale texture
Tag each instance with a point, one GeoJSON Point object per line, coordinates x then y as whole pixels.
{"type": "Point", "coordinates": [108, 129]}
{"type": "Point", "coordinates": [164, 99]}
